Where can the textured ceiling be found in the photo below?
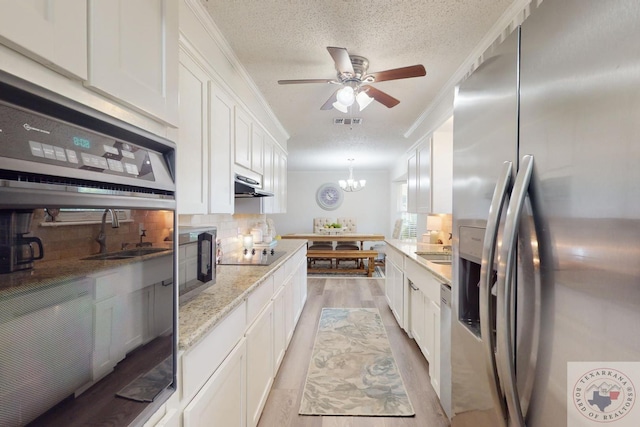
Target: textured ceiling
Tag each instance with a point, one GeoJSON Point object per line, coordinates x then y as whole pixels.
{"type": "Point", "coordinates": [287, 39]}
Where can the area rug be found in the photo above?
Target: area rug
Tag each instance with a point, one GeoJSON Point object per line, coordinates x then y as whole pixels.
{"type": "Point", "coordinates": [352, 370]}
{"type": "Point", "coordinates": [147, 386]}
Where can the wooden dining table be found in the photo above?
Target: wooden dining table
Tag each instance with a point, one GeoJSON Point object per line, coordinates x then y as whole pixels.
{"type": "Point", "coordinates": [356, 255]}
{"type": "Point", "coordinates": [342, 237]}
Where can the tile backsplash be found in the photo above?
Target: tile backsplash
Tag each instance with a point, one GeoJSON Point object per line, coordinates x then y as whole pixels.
{"type": "Point", "coordinates": [63, 240]}
{"type": "Point", "coordinates": [228, 226]}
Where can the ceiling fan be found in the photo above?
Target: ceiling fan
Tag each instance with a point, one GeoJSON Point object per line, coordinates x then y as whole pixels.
{"type": "Point", "coordinates": [356, 82]}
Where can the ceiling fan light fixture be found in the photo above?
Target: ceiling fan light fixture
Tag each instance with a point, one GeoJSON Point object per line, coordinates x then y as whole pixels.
{"type": "Point", "coordinates": [340, 107]}
{"type": "Point", "coordinates": [363, 100]}
{"type": "Point", "coordinates": [346, 96]}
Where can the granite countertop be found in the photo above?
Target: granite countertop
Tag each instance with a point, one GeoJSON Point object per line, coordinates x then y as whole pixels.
{"type": "Point", "coordinates": [56, 272]}
{"type": "Point", "coordinates": [233, 284]}
{"type": "Point", "coordinates": [411, 248]}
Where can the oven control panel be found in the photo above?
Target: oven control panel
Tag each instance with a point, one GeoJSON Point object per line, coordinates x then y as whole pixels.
{"type": "Point", "coordinates": [27, 135]}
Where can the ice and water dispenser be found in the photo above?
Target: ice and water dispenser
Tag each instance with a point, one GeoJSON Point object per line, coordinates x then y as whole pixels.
{"type": "Point", "coordinates": [470, 254]}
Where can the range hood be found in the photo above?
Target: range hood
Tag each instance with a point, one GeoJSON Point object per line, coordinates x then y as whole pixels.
{"type": "Point", "coordinates": [248, 188]}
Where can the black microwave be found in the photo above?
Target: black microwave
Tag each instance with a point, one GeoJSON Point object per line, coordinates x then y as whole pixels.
{"type": "Point", "coordinates": [196, 255]}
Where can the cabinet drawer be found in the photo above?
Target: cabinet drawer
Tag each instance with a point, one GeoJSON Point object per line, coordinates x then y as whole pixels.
{"type": "Point", "coordinates": [259, 298]}
{"type": "Point", "coordinates": [423, 279]}
{"type": "Point", "coordinates": [201, 361]}
{"type": "Point", "coordinates": [395, 256]}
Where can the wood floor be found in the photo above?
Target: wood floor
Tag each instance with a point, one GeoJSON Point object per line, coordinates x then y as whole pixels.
{"type": "Point", "coordinates": [281, 409]}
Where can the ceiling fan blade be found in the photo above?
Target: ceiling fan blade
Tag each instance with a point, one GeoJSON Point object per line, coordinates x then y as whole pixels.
{"type": "Point", "coordinates": [329, 104]}
{"type": "Point", "coordinates": [295, 82]}
{"type": "Point", "coordinates": [341, 58]}
{"type": "Point", "coordinates": [382, 97]}
{"type": "Point", "coordinates": [399, 73]}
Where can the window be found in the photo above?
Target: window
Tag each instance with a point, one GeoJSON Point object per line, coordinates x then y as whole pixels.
{"type": "Point", "coordinates": [410, 220]}
{"type": "Point", "coordinates": [76, 216]}
{"type": "Point", "coordinates": [409, 226]}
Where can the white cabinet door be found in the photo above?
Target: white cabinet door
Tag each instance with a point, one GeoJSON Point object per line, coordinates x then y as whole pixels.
{"type": "Point", "coordinates": [434, 365]}
{"type": "Point", "coordinates": [257, 149]}
{"type": "Point", "coordinates": [417, 315]}
{"type": "Point", "coordinates": [221, 401]}
{"type": "Point", "coordinates": [108, 349]}
{"type": "Point", "coordinates": [282, 184]}
{"type": "Point", "coordinates": [133, 54]}
{"type": "Point", "coordinates": [137, 317]}
{"type": "Point", "coordinates": [412, 184]}
{"type": "Point", "coordinates": [221, 131]}
{"type": "Point", "coordinates": [53, 32]}
{"type": "Point", "coordinates": [193, 145]}
{"type": "Point", "coordinates": [424, 177]}
{"type": "Point", "coordinates": [268, 203]}
{"type": "Point", "coordinates": [442, 172]}
{"type": "Point", "coordinates": [242, 126]}
{"type": "Point", "coordinates": [289, 315]}
{"type": "Point", "coordinates": [162, 308]}
{"type": "Point", "coordinates": [279, 328]}
{"type": "Point", "coordinates": [259, 364]}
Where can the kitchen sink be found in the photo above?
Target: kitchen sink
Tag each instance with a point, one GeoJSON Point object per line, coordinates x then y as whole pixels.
{"type": "Point", "coordinates": [440, 258]}
{"type": "Point", "coordinates": [441, 262]}
{"type": "Point", "coordinates": [126, 254]}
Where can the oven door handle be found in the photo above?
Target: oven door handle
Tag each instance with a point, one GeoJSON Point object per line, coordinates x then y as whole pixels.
{"type": "Point", "coordinates": [487, 310]}
{"type": "Point", "coordinates": [506, 294]}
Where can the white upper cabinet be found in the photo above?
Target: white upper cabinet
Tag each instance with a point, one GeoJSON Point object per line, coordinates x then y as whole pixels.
{"type": "Point", "coordinates": [424, 177]}
{"type": "Point", "coordinates": [52, 32]}
{"type": "Point", "coordinates": [193, 143]}
{"type": "Point", "coordinates": [221, 131]}
{"type": "Point", "coordinates": [257, 149]}
{"type": "Point", "coordinates": [268, 203]}
{"type": "Point", "coordinates": [133, 54]}
{"type": "Point", "coordinates": [242, 138]}
{"type": "Point", "coordinates": [442, 171]}
{"type": "Point", "coordinates": [412, 183]}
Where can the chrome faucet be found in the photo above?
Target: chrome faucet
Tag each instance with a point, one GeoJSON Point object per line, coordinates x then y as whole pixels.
{"type": "Point", "coordinates": [102, 236]}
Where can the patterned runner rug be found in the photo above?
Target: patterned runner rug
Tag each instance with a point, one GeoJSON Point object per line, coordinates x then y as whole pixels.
{"type": "Point", "coordinates": [352, 370]}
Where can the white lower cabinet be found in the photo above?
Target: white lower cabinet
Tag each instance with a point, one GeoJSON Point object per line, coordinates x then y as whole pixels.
{"type": "Point", "coordinates": [417, 316]}
{"type": "Point", "coordinates": [259, 339]}
{"type": "Point", "coordinates": [107, 350]}
{"type": "Point", "coordinates": [222, 400]}
{"type": "Point", "coordinates": [394, 290]}
{"type": "Point", "coordinates": [423, 317]}
{"type": "Point", "coordinates": [137, 318]}
{"type": "Point", "coordinates": [434, 365]}
{"type": "Point", "coordinates": [279, 328]}
{"type": "Point", "coordinates": [226, 378]}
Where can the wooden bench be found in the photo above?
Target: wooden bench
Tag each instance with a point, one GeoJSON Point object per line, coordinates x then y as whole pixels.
{"type": "Point", "coordinates": [344, 254]}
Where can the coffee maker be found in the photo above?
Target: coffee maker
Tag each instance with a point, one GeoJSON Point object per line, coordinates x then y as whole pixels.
{"type": "Point", "coordinates": [18, 251]}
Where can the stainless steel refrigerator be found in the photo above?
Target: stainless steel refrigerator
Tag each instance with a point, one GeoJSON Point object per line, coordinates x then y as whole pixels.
{"type": "Point", "coordinates": [546, 211]}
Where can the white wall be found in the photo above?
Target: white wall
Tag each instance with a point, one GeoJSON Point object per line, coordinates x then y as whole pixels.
{"type": "Point", "coordinates": [369, 206]}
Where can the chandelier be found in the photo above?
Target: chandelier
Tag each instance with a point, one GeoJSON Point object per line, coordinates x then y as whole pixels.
{"type": "Point", "coordinates": [352, 184]}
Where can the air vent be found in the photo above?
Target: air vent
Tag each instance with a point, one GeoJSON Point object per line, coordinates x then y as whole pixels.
{"type": "Point", "coordinates": [348, 121]}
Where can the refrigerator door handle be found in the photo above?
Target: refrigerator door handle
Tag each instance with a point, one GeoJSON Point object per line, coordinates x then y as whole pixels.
{"type": "Point", "coordinates": [486, 272]}
{"type": "Point", "coordinates": [504, 310]}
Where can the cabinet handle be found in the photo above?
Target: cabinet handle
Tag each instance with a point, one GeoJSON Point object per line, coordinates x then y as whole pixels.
{"type": "Point", "coordinates": [486, 272]}
{"type": "Point", "coordinates": [414, 287]}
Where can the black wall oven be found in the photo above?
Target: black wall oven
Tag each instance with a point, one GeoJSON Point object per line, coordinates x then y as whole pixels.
{"type": "Point", "coordinates": [87, 308]}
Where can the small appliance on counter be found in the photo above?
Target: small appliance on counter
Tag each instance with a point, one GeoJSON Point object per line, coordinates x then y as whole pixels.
{"type": "Point", "coordinates": [201, 252]}
{"type": "Point", "coordinates": [17, 251]}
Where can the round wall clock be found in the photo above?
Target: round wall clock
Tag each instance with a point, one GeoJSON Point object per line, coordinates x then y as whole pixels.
{"type": "Point", "coordinates": [329, 196]}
